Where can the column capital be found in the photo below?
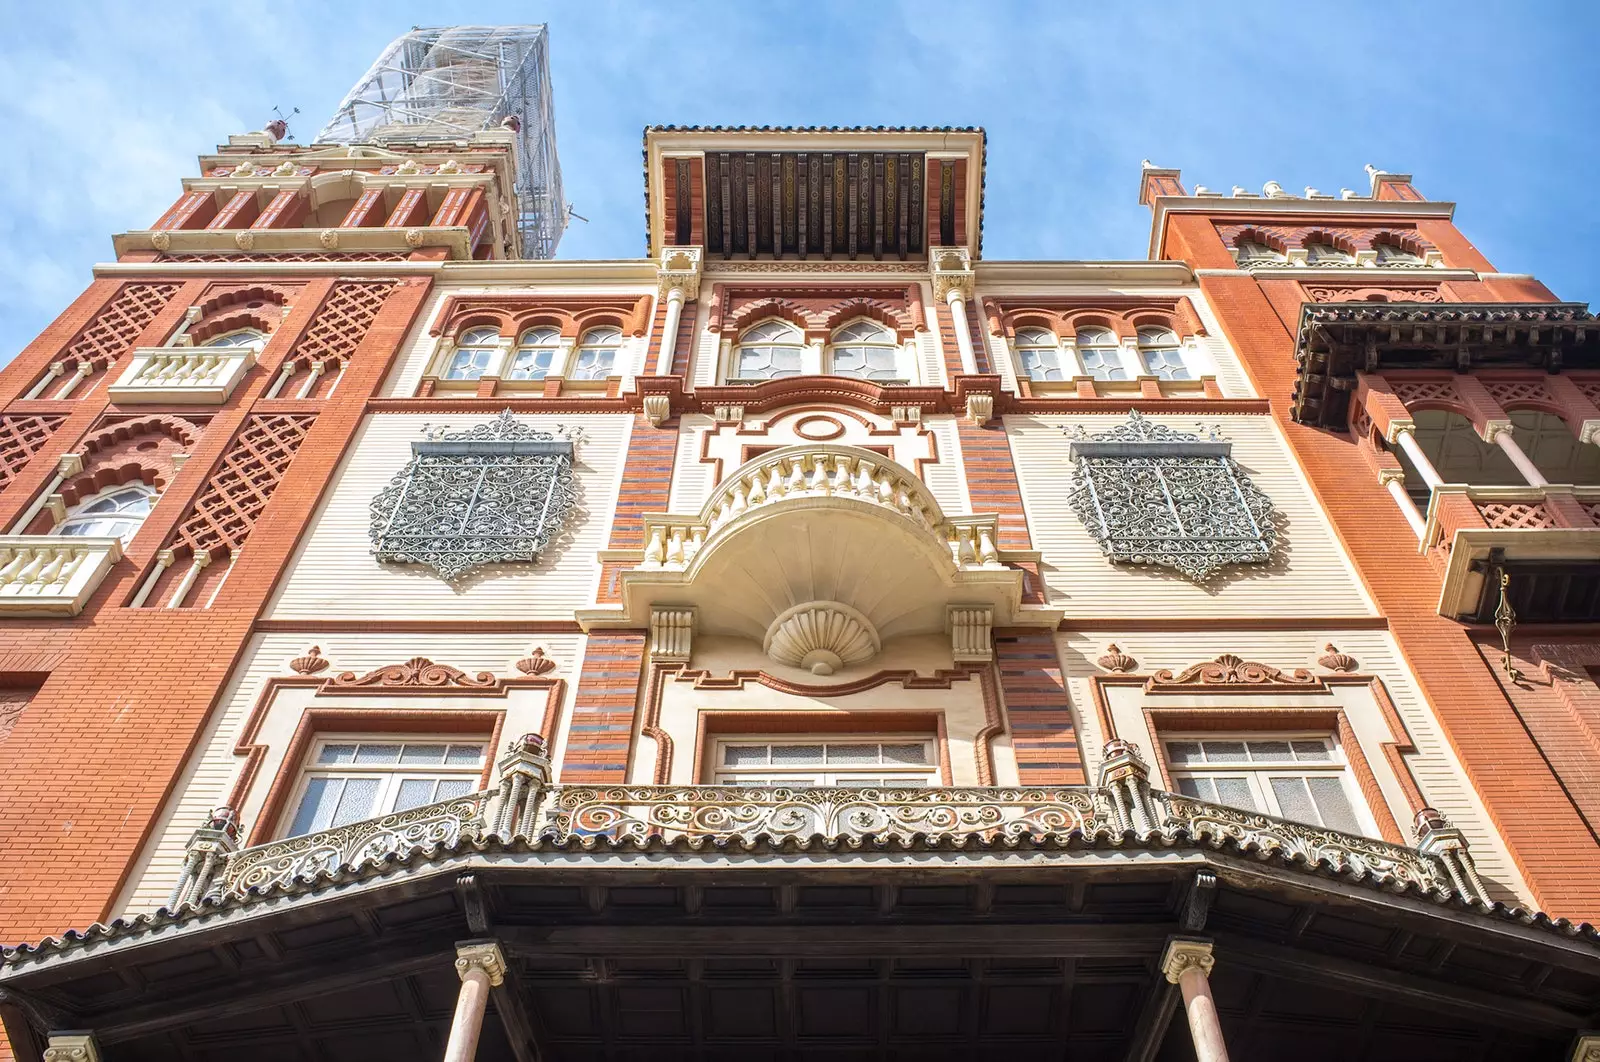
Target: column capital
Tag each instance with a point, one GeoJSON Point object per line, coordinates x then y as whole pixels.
{"type": "Point", "coordinates": [1587, 1049]}
{"type": "Point", "coordinates": [1184, 954]}
{"type": "Point", "coordinates": [481, 955]}
{"type": "Point", "coordinates": [72, 1047]}
{"type": "Point", "coordinates": [679, 271]}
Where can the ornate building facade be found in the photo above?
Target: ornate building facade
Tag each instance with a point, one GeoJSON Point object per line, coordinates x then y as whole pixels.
{"type": "Point", "coordinates": [809, 640]}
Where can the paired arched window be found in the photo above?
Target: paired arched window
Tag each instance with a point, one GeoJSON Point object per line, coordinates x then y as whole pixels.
{"type": "Point", "coordinates": [1254, 252]}
{"type": "Point", "coordinates": [1039, 353]}
{"type": "Point", "coordinates": [474, 353]}
{"type": "Point", "coordinates": [596, 354]}
{"type": "Point", "coordinates": [865, 350]}
{"type": "Point", "coordinates": [535, 355]}
{"type": "Point", "coordinates": [1161, 354]}
{"type": "Point", "coordinates": [768, 350]}
{"type": "Point", "coordinates": [116, 512]}
{"type": "Point", "coordinates": [1327, 254]}
{"type": "Point", "coordinates": [239, 337]}
{"type": "Point", "coordinates": [1392, 255]}
{"type": "Point", "coordinates": [1101, 354]}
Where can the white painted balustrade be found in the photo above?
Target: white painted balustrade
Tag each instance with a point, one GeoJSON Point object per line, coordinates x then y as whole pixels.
{"type": "Point", "coordinates": [52, 575]}
{"type": "Point", "coordinates": [192, 375]}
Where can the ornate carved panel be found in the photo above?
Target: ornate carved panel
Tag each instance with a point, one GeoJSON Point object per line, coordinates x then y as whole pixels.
{"type": "Point", "coordinates": [116, 327]}
{"type": "Point", "coordinates": [1150, 495]}
{"type": "Point", "coordinates": [496, 493]}
{"type": "Point", "coordinates": [242, 485]}
{"type": "Point", "coordinates": [20, 438]}
{"type": "Point", "coordinates": [342, 322]}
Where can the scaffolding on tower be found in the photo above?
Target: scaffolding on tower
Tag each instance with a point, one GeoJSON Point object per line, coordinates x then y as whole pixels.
{"type": "Point", "coordinates": [451, 82]}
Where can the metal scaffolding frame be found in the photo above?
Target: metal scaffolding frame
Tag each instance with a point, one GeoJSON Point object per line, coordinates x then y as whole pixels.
{"type": "Point", "coordinates": [452, 81]}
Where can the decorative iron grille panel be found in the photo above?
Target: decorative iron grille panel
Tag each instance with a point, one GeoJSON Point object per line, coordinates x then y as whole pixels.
{"type": "Point", "coordinates": [496, 493]}
{"type": "Point", "coordinates": [1152, 495]}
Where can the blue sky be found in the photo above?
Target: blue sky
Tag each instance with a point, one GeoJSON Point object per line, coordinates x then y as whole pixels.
{"type": "Point", "coordinates": [104, 107]}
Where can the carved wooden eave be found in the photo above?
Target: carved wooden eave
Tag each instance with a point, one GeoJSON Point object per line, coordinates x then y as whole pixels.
{"type": "Point", "coordinates": [1335, 341]}
{"type": "Point", "coordinates": [1230, 673]}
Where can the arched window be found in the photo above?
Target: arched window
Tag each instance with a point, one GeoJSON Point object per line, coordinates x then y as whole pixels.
{"type": "Point", "coordinates": [113, 513]}
{"type": "Point", "coordinates": [768, 351]}
{"type": "Point", "coordinates": [597, 353]}
{"type": "Point", "coordinates": [535, 354]}
{"type": "Point", "coordinates": [1391, 255]}
{"type": "Point", "coordinates": [1159, 350]}
{"type": "Point", "coordinates": [1327, 254]}
{"type": "Point", "coordinates": [1039, 353]}
{"type": "Point", "coordinates": [474, 352]}
{"type": "Point", "coordinates": [1248, 252]}
{"type": "Point", "coordinates": [240, 337]}
{"type": "Point", "coordinates": [1101, 354]}
{"type": "Point", "coordinates": [864, 349]}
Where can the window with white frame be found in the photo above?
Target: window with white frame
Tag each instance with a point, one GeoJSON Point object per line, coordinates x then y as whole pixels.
{"type": "Point", "coordinates": [864, 761]}
{"type": "Point", "coordinates": [1301, 777]}
{"type": "Point", "coordinates": [1254, 252]}
{"type": "Point", "coordinates": [116, 512]}
{"type": "Point", "coordinates": [596, 355]}
{"type": "Point", "coordinates": [767, 351]}
{"type": "Point", "coordinates": [1039, 355]}
{"type": "Point", "coordinates": [535, 355]}
{"type": "Point", "coordinates": [1392, 255]}
{"type": "Point", "coordinates": [350, 779]}
{"type": "Point", "coordinates": [1161, 354]}
{"type": "Point", "coordinates": [1319, 253]}
{"type": "Point", "coordinates": [239, 337]}
{"type": "Point", "coordinates": [474, 353]}
{"type": "Point", "coordinates": [865, 350]}
{"type": "Point", "coordinates": [1101, 354]}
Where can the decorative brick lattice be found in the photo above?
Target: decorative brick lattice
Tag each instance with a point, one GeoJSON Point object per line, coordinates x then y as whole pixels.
{"type": "Point", "coordinates": [1426, 391]}
{"type": "Point", "coordinates": [1503, 515]}
{"type": "Point", "coordinates": [251, 470]}
{"type": "Point", "coordinates": [1594, 513]}
{"type": "Point", "coordinates": [1508, 391]}
{"type": "Point", "coordinates": [1591, 391]}
{"type": "Point", "coordinates": [20, 439]}
{"type": "Point", "coordinates": [340, 325]}
{"type": "Point", "coordinates": [116, 327]}
{"type": "Point", "coordinates": [1361, 423]}
{"type": "Point", "coordinates": [294, 256]}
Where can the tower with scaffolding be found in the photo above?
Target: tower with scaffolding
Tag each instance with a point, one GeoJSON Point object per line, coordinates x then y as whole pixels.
{"type": "Point", "coordinates": [450, 82]}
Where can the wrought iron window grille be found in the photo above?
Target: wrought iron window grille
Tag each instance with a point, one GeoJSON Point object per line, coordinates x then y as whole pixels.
{"type": "Point", "coordinates": [1150, 495]}
{"type": "Point", "coordinates": [496, 493]}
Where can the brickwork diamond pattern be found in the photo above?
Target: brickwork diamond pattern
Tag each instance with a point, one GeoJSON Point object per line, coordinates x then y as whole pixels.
{"type": "Point", "coordinates": [1516, 515]}
{"type": "Point", "coordinates": [20, 439]}
{"type": "Point", "coordinates": [251, 470]}
{"type": "Point", "coordinates": [342, 322]}
{"type": "Point", "coordinates": [1594, 513]}
{"type": "Point", "coordinates": [1426, 391]}
{"type": "Point", "coordinates": [116, 327]}
{"type": "Point", "coordinates": [1508, 391]}
{"type": "Point", "coordinates": [1591, 391]}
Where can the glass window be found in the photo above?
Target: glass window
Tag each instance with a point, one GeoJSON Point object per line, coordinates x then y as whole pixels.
{"type": "Point", "coordinates": [1301, 777]}
{"type": "Point", "coordinates": [865, 350]}
{"type": "Point", "coordinates": [535, 354]}
{"type": "Point", "coordinates": [242, 337]}
{"type": "Point", "coordinates": [1252, 251]}
{"type": "Point", "coordinates": [1039, 353]}
{"type": "Point", "coordinates": [113, 513]}
{"type": "Point", "coordinates": [1389, 254]}
{"type": "Point", "coordinates": [597, 353]}
{"type": "Point", "coordinates": [816, 761]}
{"type": "Point", "coordinates": [352, 779]}
{"type": "Point", "coordinates": [768, 351]}
{"type": "Point", "coordinates": [1327, 254]}
{"type": "Point", "coordinates": [474, 351]}
{"type": "Point", "coordinates": [1159, 350]}
{"type": "Point", "coordinates": [1101, 354]}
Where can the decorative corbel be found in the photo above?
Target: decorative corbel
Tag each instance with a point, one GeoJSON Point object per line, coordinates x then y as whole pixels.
{"type": "Point", "coordinates": [671, 633]}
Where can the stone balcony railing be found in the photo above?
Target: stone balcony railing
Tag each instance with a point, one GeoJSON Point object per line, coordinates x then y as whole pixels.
{"type": "Point", "coordinates": [189, 375]}
{"type": "Point", "coordinates": [817, 474]}
{"type": "Point", "coordinates": [525, 808]}
{"type": "Point", "coordinates": [52, 575]}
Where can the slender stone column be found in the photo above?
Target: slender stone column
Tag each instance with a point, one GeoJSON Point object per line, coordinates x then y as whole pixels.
{"type": "Point", "coordinates": [1406, 439]}
{"type": "Point", "coordinates": [669, 331]}
{"type": "Point", "coordinates": [481, 967]}
{"type": "Point", "coordinates": [1394, 483]}
{"type": "Point", "coordinates": [957, 300]}
{"type": "Point", "coordinates": [1524, 463]}
{"type": "Point", "coordinates": [1187, 964]}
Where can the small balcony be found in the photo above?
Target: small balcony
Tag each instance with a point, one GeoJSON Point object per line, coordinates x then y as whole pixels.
{"type": "Point", "coordinates": [1545, 540]}
{"type": "Point", "coordinates": [52, 575]}
{"type": "Point", "coordinates": [182, 375]}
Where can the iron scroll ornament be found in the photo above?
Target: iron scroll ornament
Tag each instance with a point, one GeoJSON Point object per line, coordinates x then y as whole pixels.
{"type": "Point", "coordinates": [496, 493]}
{"type": "Point", "coordinates": [1152, 495]}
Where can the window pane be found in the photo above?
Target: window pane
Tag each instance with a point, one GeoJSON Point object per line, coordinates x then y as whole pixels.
{"type": "Point", "coordinates": [1103, 364]}
{"type": "Point", "coordinates": [377, 753]}
{"type": "Point", "coordinates": [856, 781]}
{"type": "Point", "coordinates": [468, 364]}
{"type": "Point", "coordinates": [337, 754]}
{"type": "Point", "coordinates": [743, 755]}
{"type": "Point", "coordinates": [414, 792]}
{"type": "Point", "coordinates": [1035, 337]}
{"type": "Point", "coordinates": [796, 754]}
{"type": "Point", "coordinates": [464, 755]}
{"type": "Point", "coordinates": [1235, 792]}
{"type": "Point", "coordinates": [355, 803]}
{"type": "Point", "coordinates": [316, 807]}
{"type": "Point", "coordinates": [1184, 752]}
{"type": "Point", "coordinates": [1042, 364]}
{"type": "Point", "coordinates": [422, 754]}
{"type": "Point", "coordinates": [1225, 752]}
{"type": "Point", "coordinates": [920, 780]}
{"type": "Point", "coordinates": [1269, 750]}
{"type": "Point", "coordinates": [912, 753]}
{"type": "Point", "coordinates": [450, 788]}
{"type": "Point", "coordinates": [1088, 336]}
{"type": "Point", "coordinates": [593, 364]}
{"type": "Point", "coordinates": [852, 754]}
{"type": "Point", "coordinates": [479, 336]}
{"type": "Point", "coordinates": [1312, 751]}
{"type": "Point", "coordinates": [1294, 801]}
{"type": "Point", "coordinates": [1199, 788]}
{"type": "Point", "coordinates": [1333, 804]}
{"type": "Point", "coordinates": [531, 365]}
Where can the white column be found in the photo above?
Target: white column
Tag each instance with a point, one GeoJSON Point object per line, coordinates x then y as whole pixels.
{"type": "Point", "coordinates": [1394, 482]}
{"type": "Point", "coordinates": [84, 368]}
{"type": "Point", "coordinates": [164, 560]}
{"type": "Point", "coordinates": [283, 378]}
{"type": "Point", "coordinates": [57, 369]}
{"type": "Point", "coordinates": [202, 557]}
{"type": "Point", "coordinates": [317, 369]}
{"type": "Point", "coordinates": [958, 320]}
{"type": "Point", "coordinates": [480, 966]}
{"type": "Point", "coordinates": [67, 466]}
{"type": "Point", "coordinates": [1525, 465]}
{"type": "Point", "coordinates": [1187, 964]}
{"type": "Point", "coordinates": [1406, 439]}
{"type": "Point", "coordinates": [669, 332]}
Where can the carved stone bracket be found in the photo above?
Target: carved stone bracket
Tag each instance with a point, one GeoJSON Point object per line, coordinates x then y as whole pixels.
{"type": "Point", "coordinates": [72, 1047]}
{"type": "Point", "coordinates": [671, 634]}
{"type": "Point", "coordinates": [971, 633]}
{"type": "Point", "coordinates": [1183, 954]}
{"type": "Point", "coordinates": [679, 270]}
